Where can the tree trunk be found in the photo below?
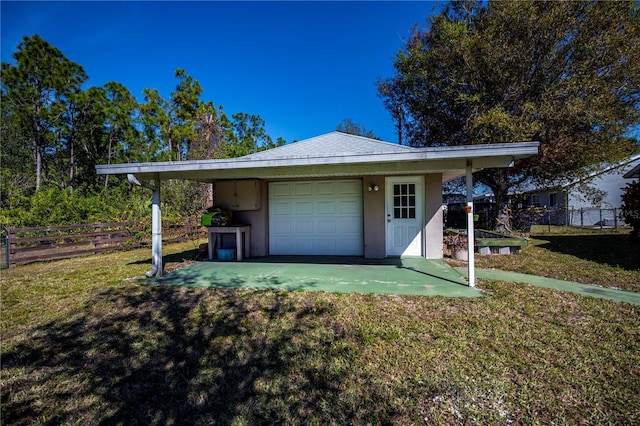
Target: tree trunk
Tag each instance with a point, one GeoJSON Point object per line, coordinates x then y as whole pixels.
{"type": "Point", "coordinates": [503, 212]}
{"type": "Point", "coordinates": [106, 177]}
{"type": "Point", "coordinates": [399, 126]}
{"type": "Point", "coordinates": [38, 163]}
{"type": "Point", "coordinates": [37, 153]}
{"type": "Point", "coordinates": [209, 196]}
{"type": "Point", "coordinates": [71, 163]}
{"type": "Point", "coordinates": [499, 183]}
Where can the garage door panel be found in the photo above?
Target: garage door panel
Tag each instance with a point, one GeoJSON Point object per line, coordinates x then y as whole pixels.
{"type": "Point", "coordinates": [348, 207]}
{"type": "Point", "coordinates": [326, 207]}
{"type": "Point", "coordinates": [323, 217]}
{"type": "Point", "coordinates": [281, 227]}
{"type": "Point", "coordinates": [326, 227]}
{"type": "Point", "coordinates": [345, 226]}
{"type": "Point", "coordinates": [350, 187]}
{"type": "Point", "coordinates": [303, 246]}
{"type": "Point", "coordinates": [281, 209]}
{"type": "Point", "coordinates": [280, 189]}
{"type": "Point", "coordinates": [325, 188]}
{"type": "Point", "coordinates": [303, 188]}
{"type": "Point", "coordinates": [303, 207]}
{"type": "Point", "coordinates": [326, 245]}
{"type": "Point", "coordinates": [348, 246]}
{"type": "Point", "coordinates": [304, 227]}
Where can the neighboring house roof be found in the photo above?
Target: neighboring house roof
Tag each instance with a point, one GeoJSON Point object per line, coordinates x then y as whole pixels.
{"type": "Point", "coordinates": [633, 173]}
{"type": "Point", "coordinates": [605, 170]}
{"type": "Point", "coordinates": [332, 155]}
{"type": "Point", "coordinates": [564, 186]}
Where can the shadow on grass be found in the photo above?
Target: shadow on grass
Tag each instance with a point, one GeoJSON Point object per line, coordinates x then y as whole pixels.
{"type": "Point", "coordinates": [155, 355]}
{"type": "Point", "coordinates": [613, 250]}
{"type": "Point", "coordinates": [167, 258]}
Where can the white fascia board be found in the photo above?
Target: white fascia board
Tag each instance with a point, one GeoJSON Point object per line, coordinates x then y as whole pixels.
{"type": "Point", "coordinates": [481, 153]}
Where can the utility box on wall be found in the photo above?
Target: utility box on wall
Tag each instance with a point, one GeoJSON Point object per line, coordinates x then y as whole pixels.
{"type": "Point", "coordinates": [237, 195]}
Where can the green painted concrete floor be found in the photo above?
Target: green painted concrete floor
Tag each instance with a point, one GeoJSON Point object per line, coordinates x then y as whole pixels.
{"type": "Point", "coordinates": [570, 286]}
{"type": "Point", "coordinates": [406, 276]}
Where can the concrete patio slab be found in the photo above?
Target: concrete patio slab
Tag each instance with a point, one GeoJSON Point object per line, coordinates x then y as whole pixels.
{"type": "Point", "coordinates": [406, 276]}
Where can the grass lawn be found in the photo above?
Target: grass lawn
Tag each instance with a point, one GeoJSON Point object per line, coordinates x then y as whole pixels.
{"type": "Point", "coordinates": [81, 344]}
{"type": "Point", "coordinates": [608, 258]}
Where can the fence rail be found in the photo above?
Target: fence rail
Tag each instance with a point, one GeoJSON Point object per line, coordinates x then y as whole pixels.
{"type": "Point", "coordinates": [32, 244]}
{"type": "Point", "coordinates": [591, 217]}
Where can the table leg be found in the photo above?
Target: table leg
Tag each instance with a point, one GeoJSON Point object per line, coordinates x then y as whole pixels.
{"type": "Point", "coordinates": [238, 244]}
{"type": "Point", "coordinates": [210, 245]}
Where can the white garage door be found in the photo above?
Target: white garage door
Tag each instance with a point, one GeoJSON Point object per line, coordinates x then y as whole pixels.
{"type": "Point", "coordinates": [316, 218]}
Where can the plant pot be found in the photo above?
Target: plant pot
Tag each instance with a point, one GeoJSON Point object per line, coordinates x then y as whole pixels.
{"type": "Point", "coordinates": [226, 254]}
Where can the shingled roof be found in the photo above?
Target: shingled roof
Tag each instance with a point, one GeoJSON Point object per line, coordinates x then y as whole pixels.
{"type": "Point", "coordinates": [330, 145]}
{"type": "Point", "coordinates": [331, 155]}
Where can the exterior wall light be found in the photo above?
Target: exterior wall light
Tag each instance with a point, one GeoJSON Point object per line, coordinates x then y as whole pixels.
{"type": "Point", "coordinates": [374, 188]}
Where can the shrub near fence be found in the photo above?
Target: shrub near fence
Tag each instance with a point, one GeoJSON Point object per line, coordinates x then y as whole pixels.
{"type": "Point", "coordinates": [58, 242]}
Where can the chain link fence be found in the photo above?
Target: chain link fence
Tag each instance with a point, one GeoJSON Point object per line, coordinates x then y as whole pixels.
{"type": "Point", "coordinates": [588, 217]}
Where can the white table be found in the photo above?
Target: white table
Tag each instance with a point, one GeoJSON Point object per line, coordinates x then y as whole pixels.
{"type": "Point", "coordinates": [239, 230]}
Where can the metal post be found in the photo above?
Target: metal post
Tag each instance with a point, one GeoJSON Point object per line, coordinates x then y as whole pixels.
{"type": "Point", "coordinates": [156, 230]}
{"type": "Point", "coordinates": [156, 225]}
{"type": "Point", "coordinates": [600, 210]}
{"type": "Point", "coordinates": [615, 218]}
{"type": "Point", "coordinates": [5, 239]}
{"type": "Point", "coordinates": [470, 226]}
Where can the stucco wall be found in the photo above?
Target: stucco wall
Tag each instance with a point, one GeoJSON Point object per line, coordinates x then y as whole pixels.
{"type": "Point", "coordinates": [258, 219]}
{"type": "Point", "coordinates": [374, 217]}
{"type": "Point", "coordinates": [374, 221]}
{"type": "Point", "coordinates": [433, 218]}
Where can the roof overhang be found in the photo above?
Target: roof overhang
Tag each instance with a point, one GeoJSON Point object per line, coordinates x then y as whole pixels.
{"type": "Point", "coordinates": [633, 173]}
{"type": "Point", "coordinates": [450, 161]}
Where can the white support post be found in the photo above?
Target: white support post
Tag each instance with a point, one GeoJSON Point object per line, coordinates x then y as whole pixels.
{"type": "Point", "coordinates": [470, 226]}
{"type": "Point", "coordinates": [156, 230]}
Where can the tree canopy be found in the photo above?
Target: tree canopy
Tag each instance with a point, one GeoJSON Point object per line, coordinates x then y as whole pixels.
{"type": "Point", "coordinates": [348, 126]}
{"type": "Point", "coordinates": [54, 132]}
{"type": "Point", "coordinates": [35, 92]}
{"type": "Point", "coordinates": [566, 74]}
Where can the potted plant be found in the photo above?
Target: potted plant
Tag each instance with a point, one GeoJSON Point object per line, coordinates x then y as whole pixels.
{"type": "Point", "coordinates": [457, 245]}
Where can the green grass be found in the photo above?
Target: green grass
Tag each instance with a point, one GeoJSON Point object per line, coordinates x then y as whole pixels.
{"type": "Point", "coordinates": [81, 344]}
{"type": "Point", "coordinates": [608, 258]}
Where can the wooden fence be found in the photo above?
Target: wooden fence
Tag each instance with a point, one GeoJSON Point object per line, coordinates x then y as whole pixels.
{"type": "Point", "coordinates": [58, 242]}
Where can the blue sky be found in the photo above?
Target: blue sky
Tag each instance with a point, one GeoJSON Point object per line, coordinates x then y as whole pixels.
{"type": "Point", "coordinates": [302, 66]}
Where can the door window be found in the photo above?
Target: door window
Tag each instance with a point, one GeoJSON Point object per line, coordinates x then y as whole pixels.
{"type": "Point", "coordinates": [404, 201]}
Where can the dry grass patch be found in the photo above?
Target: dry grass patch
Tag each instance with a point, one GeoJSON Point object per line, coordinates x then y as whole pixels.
{"type": "Point", "coordinates": [81, 345]}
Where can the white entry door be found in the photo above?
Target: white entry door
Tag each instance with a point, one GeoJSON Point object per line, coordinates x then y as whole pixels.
{"type": "Point", "coordinates": [404, 204]}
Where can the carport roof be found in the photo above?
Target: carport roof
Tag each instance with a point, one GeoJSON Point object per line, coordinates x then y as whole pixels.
{"type": "Point", "coordinates": [333, 154]}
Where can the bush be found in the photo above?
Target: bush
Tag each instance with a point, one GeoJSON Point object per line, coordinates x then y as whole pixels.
{"type": "Point", "coordinates": [631, 207]}
{"type": "Point", "coordinates": [119, 203]}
